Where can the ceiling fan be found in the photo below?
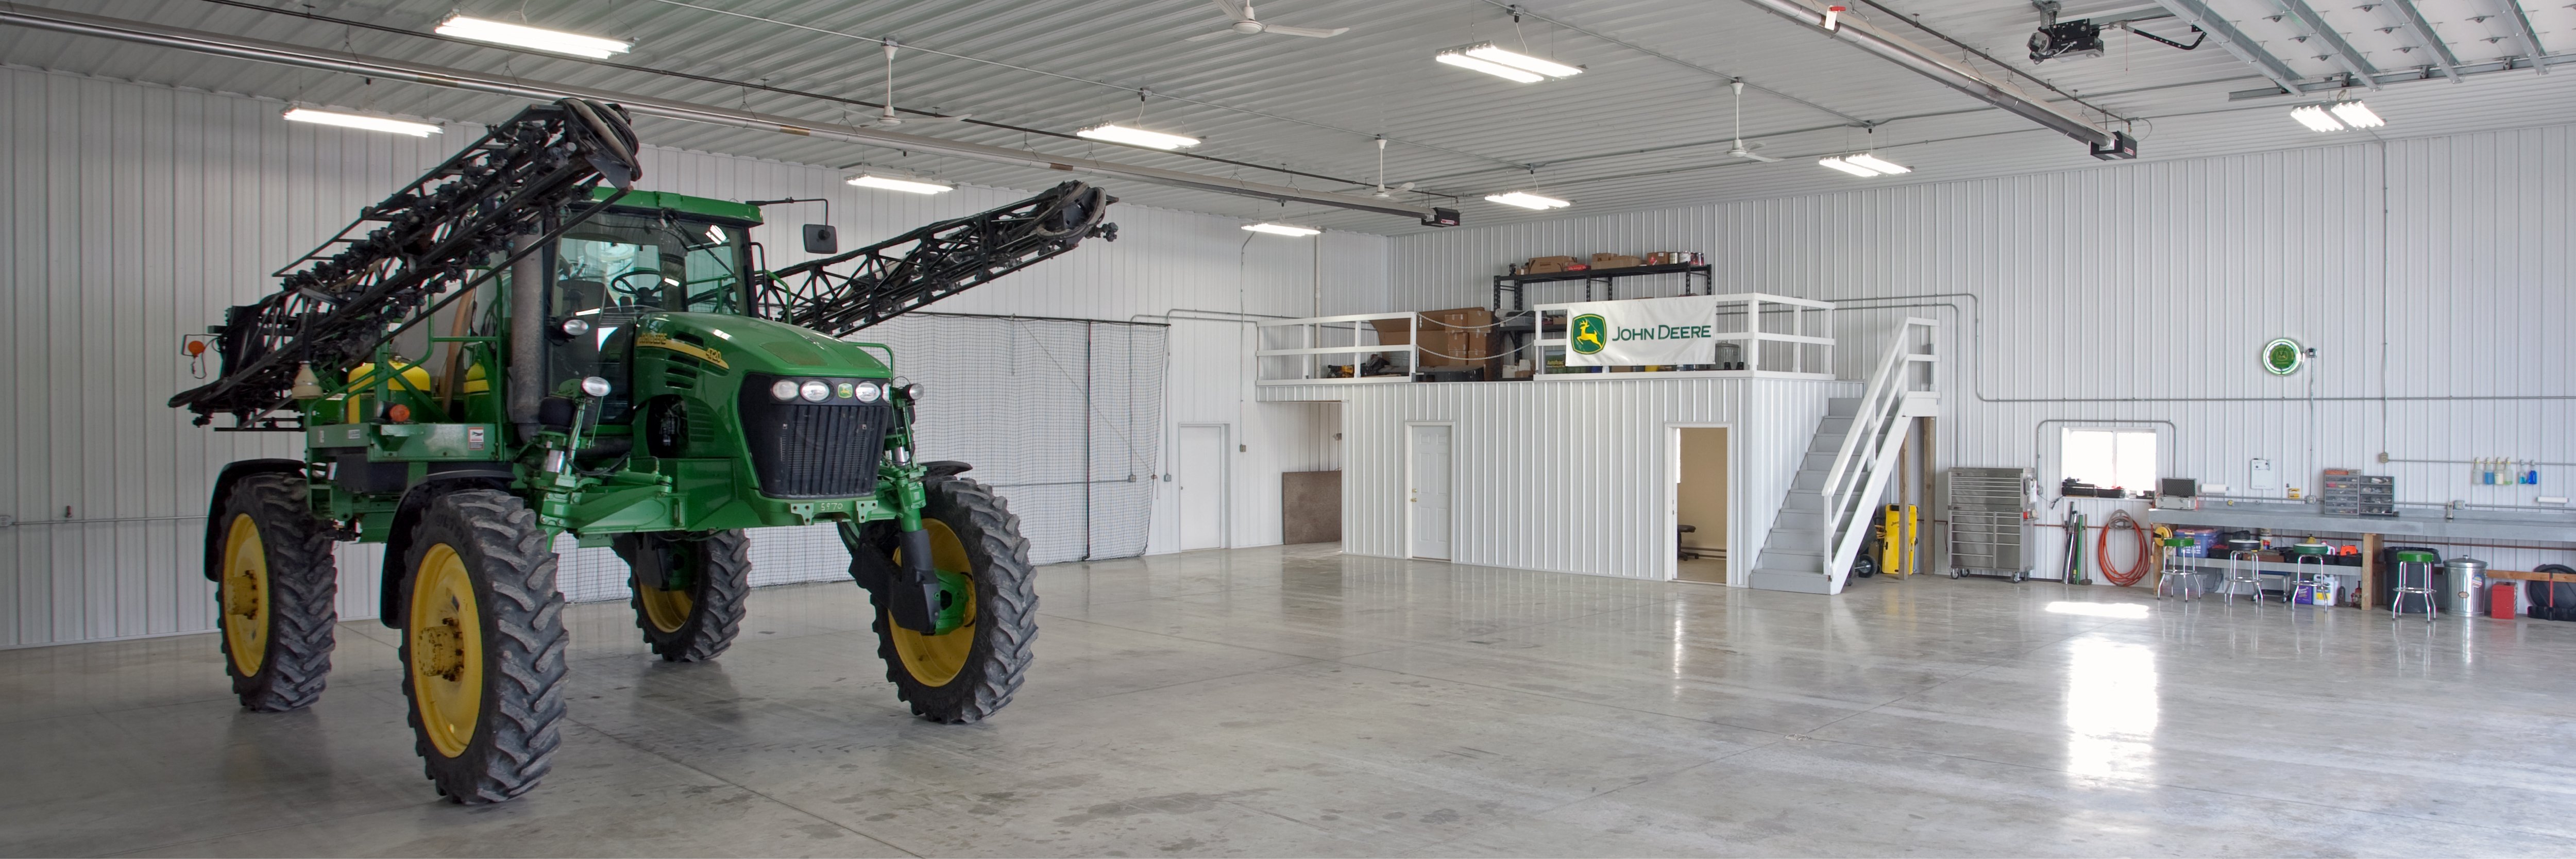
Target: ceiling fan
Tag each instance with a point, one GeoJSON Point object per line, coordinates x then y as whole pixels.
{"type": "Point", "coordinates": [888, 119]}
{"type": "Point", "coordinates": [1246, 25]}
{"type": "Point", "coordinates": [1741, 150]}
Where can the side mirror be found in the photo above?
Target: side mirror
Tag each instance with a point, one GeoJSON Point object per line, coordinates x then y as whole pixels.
{"type": "Point", "coordinates": [822, 239]}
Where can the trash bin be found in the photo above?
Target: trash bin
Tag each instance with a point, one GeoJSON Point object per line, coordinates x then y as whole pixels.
{"type": "Point", "coordinates": [2466, 582]}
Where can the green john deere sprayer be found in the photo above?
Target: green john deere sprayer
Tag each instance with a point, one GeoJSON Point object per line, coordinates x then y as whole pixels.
{"type": "Point", "coordinates": [518, 345]}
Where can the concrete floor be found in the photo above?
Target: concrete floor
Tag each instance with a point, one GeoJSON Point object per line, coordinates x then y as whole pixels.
{"type": "Point", "coordinates": [1297, 702]}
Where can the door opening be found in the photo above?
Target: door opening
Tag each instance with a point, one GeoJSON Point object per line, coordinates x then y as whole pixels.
{"type": "Point", "coordinates": [1201, 476]}
{"type": "Point", "coordinates": [1427, 485]}
{"type": "Point", "coordinates": [1700, 501]}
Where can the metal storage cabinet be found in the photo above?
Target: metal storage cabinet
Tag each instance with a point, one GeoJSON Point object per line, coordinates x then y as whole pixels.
{"type": "Point", "coordinates": [1990, 530]}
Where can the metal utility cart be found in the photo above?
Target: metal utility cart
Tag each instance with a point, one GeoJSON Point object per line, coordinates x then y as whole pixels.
{"type": "Point", "coordinates": [1990, 530]}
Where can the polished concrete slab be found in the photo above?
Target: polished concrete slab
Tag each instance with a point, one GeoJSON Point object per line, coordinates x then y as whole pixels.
{"type": "Point", "coordinates": [1294, 701]}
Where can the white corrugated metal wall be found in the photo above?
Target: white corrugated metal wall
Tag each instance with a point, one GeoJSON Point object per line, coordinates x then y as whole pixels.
{"type": "Point", "coordinates": [2430, 274]}
{"type": "Point", "coordinates": [1568, 476]}
{"type": "Point", "coordinates": [138, 212]}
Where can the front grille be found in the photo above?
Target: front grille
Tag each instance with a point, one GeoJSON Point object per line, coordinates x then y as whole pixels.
{"type": "Point", "coordinates": [812, 450]}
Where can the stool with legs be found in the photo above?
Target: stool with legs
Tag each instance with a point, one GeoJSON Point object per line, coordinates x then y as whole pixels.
{"type": "Point", "coordinates": [2178, 572]}
{"type": "Point", "coordinates": [2420, 564]}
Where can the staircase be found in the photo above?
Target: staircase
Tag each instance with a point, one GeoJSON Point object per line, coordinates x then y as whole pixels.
{"type": "Point", "coordinates": [1827, 513]}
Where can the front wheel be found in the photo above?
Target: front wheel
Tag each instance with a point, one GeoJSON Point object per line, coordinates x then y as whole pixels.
{"type": "Point", "coordinates": [483, 646]}
{"type": "Point", "coordinates": [689, 593]}
{"type": "Point", "coordinates": [988, 588]}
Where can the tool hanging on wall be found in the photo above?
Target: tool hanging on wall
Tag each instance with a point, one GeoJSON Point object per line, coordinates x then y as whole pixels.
{"type": "Point", "coordinates": [2075, 550]}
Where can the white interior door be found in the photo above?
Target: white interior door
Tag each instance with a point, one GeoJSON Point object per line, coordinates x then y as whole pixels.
{"type": "Point", "coordinates": [1201, 476]}
{"type": "Point", "coordinates": [1427, 491]}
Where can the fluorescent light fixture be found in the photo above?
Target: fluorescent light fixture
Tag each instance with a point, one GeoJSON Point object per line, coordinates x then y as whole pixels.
{"type": "Point", "coordinates": [2357, 115]}
{"type": "Point", "coordinates": [1137, 137]}
{"type": "Point", "coordinates": [1524, 62]}
{"type": "Point", "coordinates": [352, 120]}
{"type": "Point", "coordinates": [2132, 611]}
{"type": "Point", "coordinates": [1496, 69]}
{"type": "Point", "coordinates": [909, 186]}
{"type": "Point", "coordinates": [533, 38]}
{"type": "Point", "coordinates": [1527, 200]}
{"type": "Point", "coordinates": [1282, 229]}
{"type": "Point", "coordinates": [1874, 162]}
{"type": "Point", "coordinates": [1846, 166]}
{"type": "Point", "coordinates": [2314, 116]}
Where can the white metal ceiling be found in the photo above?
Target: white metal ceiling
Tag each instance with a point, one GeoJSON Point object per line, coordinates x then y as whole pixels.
{"type": "Point", "coordinates": [1645, 126]}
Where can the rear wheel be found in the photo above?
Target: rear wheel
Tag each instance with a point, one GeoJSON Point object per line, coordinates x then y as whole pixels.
{"type": "Point", "coordinates": [274, 589]}
{"type": "Point", "coordinates": [689, 593]}
{"type": "Point", "coordinates": [483, 646]}
{"type": "Point", "coordinates": [969, 672]}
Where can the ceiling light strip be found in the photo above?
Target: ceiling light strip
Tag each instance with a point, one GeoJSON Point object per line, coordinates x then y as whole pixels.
{"type": "Point", "coordinates": [296, 55]}
{"type": "Point", "coordinates": [361, 121]}
{"type": "Point", "coordinates": [533, 38]}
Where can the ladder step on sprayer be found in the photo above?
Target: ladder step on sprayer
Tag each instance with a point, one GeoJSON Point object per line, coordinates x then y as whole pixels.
{"type": "Point", "coordinates": [520, 345]}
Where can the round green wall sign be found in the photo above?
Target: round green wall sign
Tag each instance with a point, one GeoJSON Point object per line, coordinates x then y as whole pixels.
{"type": "Point", "coordinates": [2283, 356]}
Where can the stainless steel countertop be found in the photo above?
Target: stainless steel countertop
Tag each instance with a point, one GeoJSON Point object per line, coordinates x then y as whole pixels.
{"type": "Point", "coordinates": [2410, 522]}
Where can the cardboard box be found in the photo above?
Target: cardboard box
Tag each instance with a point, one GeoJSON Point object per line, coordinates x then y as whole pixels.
{"type": "Point", "coordinates": [1458, 337]}
{"type": "Point", "coordinates": [1547, 265]}
{"type": "Point", "coordinates": [1615, 261]}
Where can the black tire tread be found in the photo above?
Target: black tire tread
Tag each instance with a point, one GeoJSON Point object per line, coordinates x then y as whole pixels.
{"type": "Point", "coordinates": [1006, 611]}
{"type": "Point", "coordinates": [517, 733]}
{"type": "Point", "coordinates": [303, 592]}
{"type": "Point", "coordinates": [718, 604]}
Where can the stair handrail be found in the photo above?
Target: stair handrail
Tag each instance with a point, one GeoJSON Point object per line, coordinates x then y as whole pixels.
{"type": "Point", "coordinates": [1878, 410]}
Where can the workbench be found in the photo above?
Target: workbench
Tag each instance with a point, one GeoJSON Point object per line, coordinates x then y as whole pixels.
{"type": "Point", "coordinates": [2413, 524]}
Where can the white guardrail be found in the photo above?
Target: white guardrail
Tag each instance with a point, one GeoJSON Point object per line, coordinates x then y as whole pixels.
{"type": "Point", "coordinates": [1350, 337]}
{"type": "Point", "coordinates": [1741, 318]}
{"type": "Point", "coordinates": [1758, 334]}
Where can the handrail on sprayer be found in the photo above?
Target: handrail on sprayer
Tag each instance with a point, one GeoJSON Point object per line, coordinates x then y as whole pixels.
{"type": "Point", "coordinates": [1878, 409]}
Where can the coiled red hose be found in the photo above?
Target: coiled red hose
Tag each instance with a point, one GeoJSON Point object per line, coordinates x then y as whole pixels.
{"type": "Point", "coordinates": [2137, 571]}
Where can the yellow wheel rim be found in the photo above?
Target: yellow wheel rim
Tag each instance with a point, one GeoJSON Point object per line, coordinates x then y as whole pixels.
{"type": "Point", "coordinates": [936, 659]}
{"type": "Point", "coordinates": [666, 610]}
{"type": "Point", "coordinates": [446, 634]}
{"type": "Point", "coordinates": [245, 595]}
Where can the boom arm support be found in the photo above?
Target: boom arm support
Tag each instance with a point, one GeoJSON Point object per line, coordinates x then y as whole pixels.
{"type": "Point", "coordinates": [336, 303]}
{"type": "Point", "coordinates": [837, 295]}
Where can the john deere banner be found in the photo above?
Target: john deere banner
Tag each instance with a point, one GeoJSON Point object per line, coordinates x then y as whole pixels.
{"type": "Point", "coordinates": [1641, 331]}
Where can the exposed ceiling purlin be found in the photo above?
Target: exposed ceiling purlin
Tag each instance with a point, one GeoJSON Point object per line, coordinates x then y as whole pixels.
{"type": "Point", "coordinates": [280, 53]}
{"type": "Point", "coordinates": [2530, 39]}
{"type": "Point", "coordinates": [778, 90]}
{"type": "Point", "coordinates": [2235, 42]}
{"type": "Point", "coordinates": [2468, 70]}
{"type": "Point", "coordinates": [2337, 49]}
{"type": "Point", "coordinates": [2423, 32]}
{"type": "Point", "coordinates": [1728, 77]}
{"type": "Point", "coordinates": [1078, 79]}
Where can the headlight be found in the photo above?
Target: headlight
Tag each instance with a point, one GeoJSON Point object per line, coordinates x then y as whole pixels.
{"type": "Point", "coordinates": [594, 386]}
{"type": "Point", "coordinates": [576, 327]}
{"type": "Point", "coordinates": [868, 392]}
{"type": "Point", "coordinates": [816, 392]}
{"type": "Point", "coordinates": [912, 392]}
{"type": "Point", "coordinates": [783, 389]}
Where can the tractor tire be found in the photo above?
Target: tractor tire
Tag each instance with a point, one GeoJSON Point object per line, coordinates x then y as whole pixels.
{"type": "Point", "coordinates": [483, 646]}
{"type": "Point", "coordinates": [275, 593]}
{"type": "Point", "coordinates": [970, 672]}
{"type": "Point", "coordinates": [697, 621]}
